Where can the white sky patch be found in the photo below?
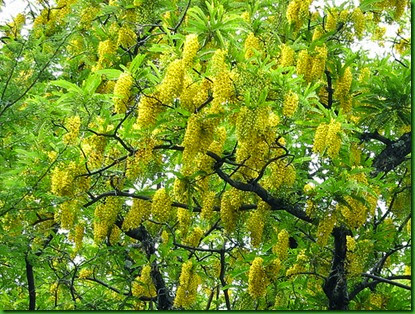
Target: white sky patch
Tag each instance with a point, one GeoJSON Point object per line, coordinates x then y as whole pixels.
{"type": "Point", "coordinates": [10, 9]}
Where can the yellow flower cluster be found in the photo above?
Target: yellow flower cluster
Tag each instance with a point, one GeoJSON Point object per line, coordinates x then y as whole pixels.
{"type": "Point", "coordinates": [105, 216]}
{"type": "Point", "coordinates": [343, 84]}
{"type": "Point", "coordinates": [257, 279]}
{"type": "Point", "coordinates": [161, 209]}
{"type": "Point", "coordinates": [287, 56]}
{"type": "Point", "coordinates": [331, 20]}
{"type": "Point", "coordinates": [140, 210]}
{"type": "Point", "coordinates": [245, 123]}
{"type": "Point", "coordinates": [304, 65]}
{"type": "Point", "coordinates": [75, 46]}
{"type": "Point", "coordinates": [189, 92]}
{"type": "Point", "coordinates": [106, 49]}
{"type": "Point", "coordinates": [16, 26]}
{"type": "Point", "coordinates": [251, 45]}
{"type": "Point", "coordinates": [324, 229]}
{"type": "Point", "coordinates": [172, 83]}
{"type": "Point", "coordinates": [138, 163]}
{"type": "Point", "coordinates": [67, 214]}
{"type": "Point", "coordinates": [189, 282]}
{"type": "Point", "coordinates": [62, 180]}
{"type": "Point", "coordinates": [356, 259]}
{"type": "Point", "coordinates": [281, 248]}
{"type": "Point", "coordinates": [115, 235]}
{"type": "Point", "coordinates": [333, 139]}
{"type": "Point", "coordinates": [191, 46]}
{"type": "Point", "coordinates": [143, 285]}
{"type": "Point", "coordinates": [297, 12]}
{"type": "Point", "coordinates": [402, 46]}
{"type": "Point", "coordinates": [230, 203]}
{"type": "Point", "coordinates": [290, 104]}
{"type": "Point", "coordinates": [222, 87]}
{"type": "Point", "coordinates": [126, 37]}
{"type": "Point", "coordinates": [197, 138]}
{"type": "Point", "coordinates": [184, 218]}
{"type": "Point", "coordinates": [255, 226]}
{"type": "Point", "coordinates": [354, 212]}
{"type": "Point", "coordinates": [327, 136]}
{"type": "Point", "coordinates": [84, 273]}
{"type": "Point", "coordinates": [319, 62]}
{"type": "Point", "coordinates": [299, 266]}
{"type": "Point", "coordinates": [205, 162]}
{"type": "Point", "coordinates": [164, 237]}
{"type": "Point", "coordinates": [318, 32]}
{"type": "Point", "coordinates": [94, 147]}
{"type": "Point", "coordinates": [79, 235]}
{"type": "Point", "coordinates": [87, 16]}
{"type": "Point", "coordinates": [122, 92]}
{"type": "Point", "coordinates": [246, 16]}
{"type": "Point", "coordinates": [208, 203]}
{"type": "Point", "coordinates": [350, 243]}
{"type": "Point", "coordinates": [400, 6]}
{"type": "Point", "coordinates": [255, 129]}
{"type": "Point", "coordinates": [310, 208]}
{"type": "Point", "coordinates": [358, 22]}
{"type": "Point", "coordinates": [194, 237]}
{"type": "Point", "coordinates": [72, 124]}
{"type": "Point", "coordinates": [180, 190]}
{"type": "Point", "coordinates": [149, 108]}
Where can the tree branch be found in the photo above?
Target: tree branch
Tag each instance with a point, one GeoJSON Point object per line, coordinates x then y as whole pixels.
{"type": "Point", "coordinates": [393, 155]}
{"type": "Point", "coordinates": [385, 280]}
{"type": "Point", "coordinates": [31, 284]}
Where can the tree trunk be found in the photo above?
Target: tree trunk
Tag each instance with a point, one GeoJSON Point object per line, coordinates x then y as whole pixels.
{"type": "Point", "coordinates": [335, 286]}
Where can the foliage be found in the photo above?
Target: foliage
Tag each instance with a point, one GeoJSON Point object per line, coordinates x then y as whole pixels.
{"type": "Point", "coordinates": [205, 155]}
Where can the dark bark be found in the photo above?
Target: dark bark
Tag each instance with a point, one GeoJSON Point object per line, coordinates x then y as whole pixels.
{"type": "Point", "coordinates": [393, 155]}
{"type": "Point", "coordinates": [30, 285]}
{"type": "Point", "coordinates": [335, 286]}
{"type": "Point", "coordinates": [164, 300]}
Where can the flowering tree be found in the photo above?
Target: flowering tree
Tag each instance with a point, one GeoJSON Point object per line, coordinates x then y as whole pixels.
{"type": "Point", "coordinates": [205, 155]}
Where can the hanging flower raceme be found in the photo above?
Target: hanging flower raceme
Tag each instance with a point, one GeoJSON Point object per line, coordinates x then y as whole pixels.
{"type": "Point", "coordinates": [72, 124]}
{"type": "Point", "coordinates": [126, 37]}
{"type": "Point", "coordinates": [257, 279]}
{"type": "Point", "coordinates": [290, 104]}
{"type": "Point", "coordinates": [172, 83]}
{"type": "Point", "coordinates": [231, 201]}
{"type": "Point", "coordinates": [251, 45]}
{"type": "Point", "coordinates": [281, 248]}
{"type": "Point", "coordinates": [304, 65]}
{"type": "Point", "coordinates": [161, 209]}
{"type": "Point", "coordinates": [140, 210]}
{"type": "Point", "coordinates": [143, 285]}
{"type": "Point", "coordinates": [328, 136]}
{"type": "Point", "coordinates": [187, 290]}
{"type": "Point", "coordinates": [122, 92]}
{"type": "Point", "coordinates": [324, 229]}
{"type": "Point", "coordinates": [287, 56]}
{"type": "Point", "coordinates": [191, 46]}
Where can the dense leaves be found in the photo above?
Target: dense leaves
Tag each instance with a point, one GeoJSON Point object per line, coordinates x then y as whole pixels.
{"type": "Point", "coordinates": [205, 155]}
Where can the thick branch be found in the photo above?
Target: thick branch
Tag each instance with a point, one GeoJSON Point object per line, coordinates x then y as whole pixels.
{"type": "Point", "coordinates": [375, 136]}
{"type": "Point", "coordinates": [335, 286]}
{"type": "Point", "coordinates": [393, 154]}
{"type": "Point", "coordinates": [31, 285]}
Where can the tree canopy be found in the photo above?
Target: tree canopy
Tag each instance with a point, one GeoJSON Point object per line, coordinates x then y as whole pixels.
{"type": "Point", "coordinates": [209, 154]}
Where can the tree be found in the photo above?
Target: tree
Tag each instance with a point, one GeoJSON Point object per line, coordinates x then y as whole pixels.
{"type": "Point", "coordinates": [205, 155]}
